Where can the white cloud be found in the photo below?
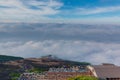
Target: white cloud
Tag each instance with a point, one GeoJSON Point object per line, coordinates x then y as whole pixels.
{"type": "Point", "coordinates": [80, 11]}
{"type": "Point", "coordinates": [93, 52]}
{"type": "Point", "coordinates": [96, 10]}
{"type": "Point", "coordinates": [23, 10]}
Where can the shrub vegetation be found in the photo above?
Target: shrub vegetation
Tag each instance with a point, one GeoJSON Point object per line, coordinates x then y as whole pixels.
{"type": "Point", "coordinates": [83, 78]}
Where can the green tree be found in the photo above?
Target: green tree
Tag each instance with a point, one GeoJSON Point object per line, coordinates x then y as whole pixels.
{"type": "Point", "coordinates": [83, 78]}
{"type": "Point", "coordinates": [36, 70]}
{"type": "Point", "coordinates": [14, 76]}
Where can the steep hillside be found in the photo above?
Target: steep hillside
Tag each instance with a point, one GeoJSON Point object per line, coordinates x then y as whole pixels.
{"type": "Point", "coordinates": [20, 65]}
{"type": "Point", "coordinates": [4, 58]}
{"type": "Point", "coordinates": [46, 62]}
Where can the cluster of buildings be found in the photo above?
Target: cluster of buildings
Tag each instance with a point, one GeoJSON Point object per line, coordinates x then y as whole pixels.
{"type": "Point", "coordinates": [103, 72]}
{"type": "Point", "coordinates": [72, 69]}
{"type": "Point", "coordinates": [55, 74]}
{"type": "Point", "coordinates": [32, 76]}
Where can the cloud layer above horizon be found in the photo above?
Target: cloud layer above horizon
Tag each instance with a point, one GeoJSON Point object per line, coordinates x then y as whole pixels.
{"type": "Point", "coordinates": [78, 42]}
{"type": "Point", "coordinates": [100, 11]}
{"type": "Point", "coordinates": [82, 51]}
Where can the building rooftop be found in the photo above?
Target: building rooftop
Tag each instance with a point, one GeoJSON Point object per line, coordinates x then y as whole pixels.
{"type": "Point", "coordinates": [107, 71]}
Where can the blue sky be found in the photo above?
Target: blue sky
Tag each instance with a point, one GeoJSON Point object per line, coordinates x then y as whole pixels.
{"type": "Point", "coordinates": [76, 11]}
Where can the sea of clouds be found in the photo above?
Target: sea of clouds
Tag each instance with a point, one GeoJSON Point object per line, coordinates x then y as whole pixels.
{"type": "Point", "coordinates": [79, 42]}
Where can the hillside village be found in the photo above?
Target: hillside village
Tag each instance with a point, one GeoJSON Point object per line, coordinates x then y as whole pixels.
{"type": "Point", "coordinates": [55, 74]}
{"type": "Point", "coordinates": [12, 69]}
{"type": "Point", "coordinates": [102, 72]}
{"type": "Point", "coordinates": [52, 68]}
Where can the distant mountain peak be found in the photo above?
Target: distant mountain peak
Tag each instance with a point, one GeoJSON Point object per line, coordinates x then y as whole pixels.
{"type": "Point", "coordinates": [51, 57]}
